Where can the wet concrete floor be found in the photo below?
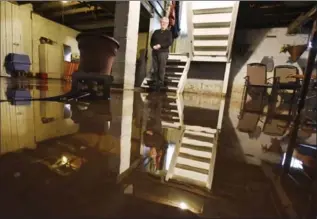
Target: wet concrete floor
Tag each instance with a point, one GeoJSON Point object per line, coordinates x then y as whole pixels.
{"type": "Point", "coordinates": [147, 154]}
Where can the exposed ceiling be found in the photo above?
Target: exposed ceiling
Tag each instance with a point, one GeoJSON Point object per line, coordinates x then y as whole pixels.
{"type": "Point", "coordinates": [84, 15]}
{"type": "Point", "coordinates": [99, 15]}
{"type": "Point", "coordinates": [265, 14]}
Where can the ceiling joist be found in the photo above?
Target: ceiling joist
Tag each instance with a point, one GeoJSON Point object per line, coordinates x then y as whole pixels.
{"type": "Point", "coordinates": [94, 25]}
{"type": "Point", "coordinates": [74, 11]}
{"type": "Point", "coordinates": [301, 20]}
{"type": "Point", "coordinates": [55, 5]}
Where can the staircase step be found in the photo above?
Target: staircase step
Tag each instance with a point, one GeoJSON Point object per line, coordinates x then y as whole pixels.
{"type": "Point", "coordinates": [191, 168]}
{"type": "Point", "coordinates": [212, 18]}
{"type": "Point", "coordinates": [220, 31]}
{"type": "Point", "coordinates": [200, 129]}
{"type": "Point", "coordinates": [171, 88]}
{"type": "Point", "coordinates": [172, 104]}
{"type": "Point", "coordinates": [176, 62]}
{"type": "Point", "coordinates": [171, 111]}
{"type": "Point", "coordinates": [193, 157]}
{"type": "Point", "coordinates": [172, 65]}
{"type": "Point", "coordinates": [177, 57]}
{"type": "Point", "coordinates": [171, 69]}
{"type": "Point", "coordinates": [196, 5]}
{"type": "Point", "coordinates": [167, 88]}
{"type": "Point", "coordinates": [213, 10]}
{"type": "Point", "coordinates": [211, 43]}
{"type": "Point", "coordinates": [174, 97]}
{"type": "Point", "coordinates": [170, 118]}
{"type": "Point", "coordinates": [196, 142]}
{"type": "Point", "coordinates": [199, 133]}
{"type": "Point", "coordinates": [197, 148]}
{"type": "Point", "coordinates": [172, 78]}
{"type": "Point", "coordinates": [199, 138]}
{"type": "Point", "coordinates": [198, 153]}
{"type": "Point", "coordinates": [210, 53]}
{"type": "Point", "coordinates": [171, 125]}
{"type": "Point", "coordinates": [191, 175]}
{"type": "Point", "coordinates": [173, 74]}
{"type": "Point", "coordinates": [172, 83]}
{"type": "Point", "coordinates": [193, 163]}
{"type": "Point", "coordinates": [209, 59]}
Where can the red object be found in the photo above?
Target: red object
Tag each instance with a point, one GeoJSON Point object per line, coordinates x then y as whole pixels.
{"type": "Point", "coordinates": [70, 68]}
{"type": "Point", "coordinates": [172, 16]}
{"type": "Point", "coordinates": [43, 76]}
{"type": "Point", "coordinates": [43, 83]}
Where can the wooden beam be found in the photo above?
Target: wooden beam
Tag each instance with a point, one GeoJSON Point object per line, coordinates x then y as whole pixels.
{"type": "Point", "coordinates": [87, 17]}
{"type": "Point", "coordinates": [146, 5]}
{"type": "Point", "coordinates": [301, 20]}
{"type": "Point", "coordinates": [94, 25]}
{"type": "Point", "coordinates": [54, 5]}
{"type": "Point", "coordinates": [157, 8]}
{"type": "Point", "coordinates": [75, 11]}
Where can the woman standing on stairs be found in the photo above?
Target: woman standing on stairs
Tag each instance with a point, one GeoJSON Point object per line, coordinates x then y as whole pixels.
{"type": "Point", "coordinates": [161, 40]}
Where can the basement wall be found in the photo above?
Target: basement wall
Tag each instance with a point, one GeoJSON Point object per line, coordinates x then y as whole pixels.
{"type": "Point", "coordinates": [21, 30]}
{"type": "Point", "coordinates": [249, 46]}
{"type": "Point", "coordinates": [252, 45]}
{"type": "Point", "coordinates": [15, 31]}
{"type": "Point", "coordinates": [42, 27]}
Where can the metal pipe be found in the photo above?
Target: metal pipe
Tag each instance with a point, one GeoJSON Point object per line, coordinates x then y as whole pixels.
{"type": "Point", "coordinates": [306, 82]}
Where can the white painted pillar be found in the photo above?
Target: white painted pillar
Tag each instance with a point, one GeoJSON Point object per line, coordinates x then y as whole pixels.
{"type": "Point", "coordinates": [126, 130]}
{"type": "Point", "coordinates": [127, 15]}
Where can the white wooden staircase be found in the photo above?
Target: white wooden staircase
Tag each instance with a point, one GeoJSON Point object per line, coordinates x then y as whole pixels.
{"type": "Point", "coordinates": [194, 157]}
{"type": "Point", "coordinates": [176, 73]}
{"type": "Point", "coordinates": [172, 110]}
{"type": "Point", "coordinates": [211, 28]}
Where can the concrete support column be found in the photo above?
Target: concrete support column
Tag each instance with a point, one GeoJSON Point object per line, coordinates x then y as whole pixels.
{"type": "Point", "coordinates": [126, 130]}
{"type": "Point", "coordinates": [127, 15]}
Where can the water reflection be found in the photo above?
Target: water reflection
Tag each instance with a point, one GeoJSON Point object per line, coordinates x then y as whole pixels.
{"type": "Point", "coordinates": [136, 148]}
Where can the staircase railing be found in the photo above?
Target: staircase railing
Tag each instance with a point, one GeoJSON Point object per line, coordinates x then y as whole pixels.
{"type": "Point", "coordinates": [213, 161]}
{"type": "Point", "coordinates": [171, 168]}
{"type": "Point", "coordinates": [190, 27]}
{"type": "Point", "coordinates": [182, 81]}
{"type": "Point", "coordinates": [232, 29]}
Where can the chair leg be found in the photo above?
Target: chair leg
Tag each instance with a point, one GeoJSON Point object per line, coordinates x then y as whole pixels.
{"type": "Point", "coordinates": [244, 97]}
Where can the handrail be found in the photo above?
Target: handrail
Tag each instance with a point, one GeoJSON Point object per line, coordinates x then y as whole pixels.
{"type": "Point", "coordinates": [171, 168]}
{"type": "Point", "coordinates": [232, 28]}
{"type": "Point", "coordinates": [182, 81]}
{"type": "Point", "coordinates": [158, 8]}
{"type": "Point", "coordinates": [190, 26]}
{"type": "Point", "coordinates": [213, 161]}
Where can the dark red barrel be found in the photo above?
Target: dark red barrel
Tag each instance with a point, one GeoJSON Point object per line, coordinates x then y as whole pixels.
{"type": "Point", "coordinates": [97, 53]}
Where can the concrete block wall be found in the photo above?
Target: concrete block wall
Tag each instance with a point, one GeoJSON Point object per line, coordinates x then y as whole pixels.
{"type": "Point", "coordinates": [127, 15]}
{"type": "Point", "coordinates": [257, 44]}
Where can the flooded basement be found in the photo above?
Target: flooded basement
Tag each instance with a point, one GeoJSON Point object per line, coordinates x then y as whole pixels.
{"type": "Point", "coordinates": [151, 154]}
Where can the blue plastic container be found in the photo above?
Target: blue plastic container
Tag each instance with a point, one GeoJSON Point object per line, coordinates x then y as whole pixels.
{"type": "Point", "coordinates": [17, 63]}
{"type": "Point", "coordinates": [19, 97]}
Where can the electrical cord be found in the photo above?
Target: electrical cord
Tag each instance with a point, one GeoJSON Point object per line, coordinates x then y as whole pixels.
{"type": "Point", "coordinates": [61, 98]}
